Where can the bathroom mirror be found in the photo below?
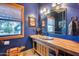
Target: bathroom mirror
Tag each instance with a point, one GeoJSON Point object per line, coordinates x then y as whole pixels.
{"type": "Point", "coordinates": [56, 21]}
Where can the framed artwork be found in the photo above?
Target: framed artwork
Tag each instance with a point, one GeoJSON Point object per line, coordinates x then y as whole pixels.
{"type": "Point", "coordinates": [32, 22]}
{"type": "Point", "coordinates": [43, 23]}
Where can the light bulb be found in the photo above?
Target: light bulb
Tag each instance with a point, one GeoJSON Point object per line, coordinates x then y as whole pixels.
{"type": "Point", "coordinates": [57, 7]}
{"type": "Point", "coordinates": [44, 10]}
{"type": "Point", "coordinates": [53, 4]}
{"type": "Point", "coordinates": [41, 11]}
{"type": "Point", "coordinates": [48, 11]}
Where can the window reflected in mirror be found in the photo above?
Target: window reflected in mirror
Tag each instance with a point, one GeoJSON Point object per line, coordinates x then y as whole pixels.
{"type": "Point", "coordinates": [51, 24]}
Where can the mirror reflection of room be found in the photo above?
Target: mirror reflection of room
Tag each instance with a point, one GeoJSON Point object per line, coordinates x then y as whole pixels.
{"type": "Point", "coordinates": [58, 21]}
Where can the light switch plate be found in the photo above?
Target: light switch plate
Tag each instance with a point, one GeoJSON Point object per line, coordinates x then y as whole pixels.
{"type": "Point", "coordinates": [6, 42]}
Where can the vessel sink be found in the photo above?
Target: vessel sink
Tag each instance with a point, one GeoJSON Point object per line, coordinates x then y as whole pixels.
{"type": "Point", "coordinates": [47, 38]}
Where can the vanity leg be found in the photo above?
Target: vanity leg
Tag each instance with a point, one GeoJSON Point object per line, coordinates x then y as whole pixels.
{"type": "Point", "coordinates": [57, 52]}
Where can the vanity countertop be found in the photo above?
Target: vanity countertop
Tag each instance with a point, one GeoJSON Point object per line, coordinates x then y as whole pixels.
{"type": "Point", "coordinates": [62, 44]}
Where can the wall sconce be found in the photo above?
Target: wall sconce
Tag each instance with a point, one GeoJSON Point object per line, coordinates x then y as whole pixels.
{"type": "Point", "coordinates": [44, 11]}
{"type": "Point", "coordinates": [32, 15]}
{"type": "Point", "coordinates": [53, 4]}
{"type": "Point", "coordinates": [57, 5]}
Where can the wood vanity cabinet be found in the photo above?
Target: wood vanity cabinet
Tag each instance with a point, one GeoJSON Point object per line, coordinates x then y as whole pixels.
{"type": "Point", "coordinates": [54, 47]}
{"type": "Point", "coordinates": [43, 50]}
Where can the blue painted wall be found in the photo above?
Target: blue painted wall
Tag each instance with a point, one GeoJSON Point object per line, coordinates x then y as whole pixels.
{"type": "Point", "coordinates": [72, 10]}
{"type": "Point", "coordinates": [30, 9]}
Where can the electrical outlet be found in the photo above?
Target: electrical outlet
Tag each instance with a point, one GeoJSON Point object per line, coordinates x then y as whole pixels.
{"type": "Point", "coordinates": [6, 42]}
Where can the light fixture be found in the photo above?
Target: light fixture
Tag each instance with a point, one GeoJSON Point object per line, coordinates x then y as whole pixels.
{"type": "Point", "coordinates": [41, 11]}
{"type": "Point", "coordinates": [31, 15]}
{"type": "Point", "coordinates": [57, 7]}
{"type": "Point", "coordinates": [64, 5]}
{"type": "Point", "coordinates": [53, 4]}
{"type": "Point", "coordinates": [44, 11]}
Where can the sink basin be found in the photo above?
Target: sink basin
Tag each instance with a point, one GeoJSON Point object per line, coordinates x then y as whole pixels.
{"type": "Point", "coordinates": [50, 37]}
{"type": "Point", "coordinates": [43, 37]}
{"type": "Point", "coordinates": [47, 38]}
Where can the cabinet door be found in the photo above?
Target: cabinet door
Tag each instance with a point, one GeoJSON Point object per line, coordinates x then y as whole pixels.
{"type": "Point", "coordinates": [62, 53]}
{"type": "Point", "coordinates": [46, 51]}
